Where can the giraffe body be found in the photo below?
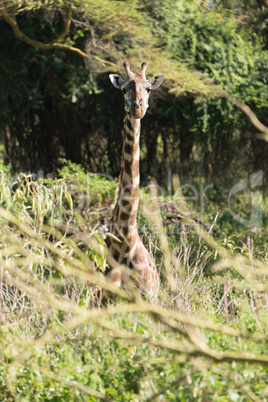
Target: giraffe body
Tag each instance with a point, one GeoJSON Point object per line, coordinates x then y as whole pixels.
{"type": "Point", "coordinates": [130, 251]}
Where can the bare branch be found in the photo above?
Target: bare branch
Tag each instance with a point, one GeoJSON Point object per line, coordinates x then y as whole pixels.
{"type": "Point", "coordinates": [200, 349]}
{"type": "Point", "coordinates": [76, 385]}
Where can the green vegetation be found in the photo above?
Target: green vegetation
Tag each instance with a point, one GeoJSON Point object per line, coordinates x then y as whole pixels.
{"type": "Point", "coordinates": [66, 334]}
{"type": "Point", "coordinates": [204, 50]}
{"type": "Point", "coordinates": [63, 337]}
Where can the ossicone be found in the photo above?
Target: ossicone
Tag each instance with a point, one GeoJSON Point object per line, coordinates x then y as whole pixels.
{"type": "Point", "coordinates": [143, 68]}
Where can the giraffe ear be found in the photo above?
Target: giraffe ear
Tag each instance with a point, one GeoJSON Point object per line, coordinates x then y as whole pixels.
{"type": "Point", "coordinates": [116, 80]}
{"type": "Point", "coordinates": [156, 80]}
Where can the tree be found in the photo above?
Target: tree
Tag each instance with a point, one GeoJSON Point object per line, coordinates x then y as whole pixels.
{"type": "Point", "coordinates": [60, 103]}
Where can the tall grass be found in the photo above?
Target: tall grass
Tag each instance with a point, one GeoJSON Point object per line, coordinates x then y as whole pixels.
{"type": "Point", "coordinates": [68, 334]}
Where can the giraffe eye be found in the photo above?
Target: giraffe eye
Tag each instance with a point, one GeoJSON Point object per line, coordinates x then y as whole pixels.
{"type": "Point", "coordinates": [123, 91]}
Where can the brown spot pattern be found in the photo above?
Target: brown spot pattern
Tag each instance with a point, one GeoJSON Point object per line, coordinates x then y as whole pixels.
{"type": "Point", "coordinates": [127, 167]}
{"type": "Point", "coordinates": [125, 185]}
{"type": "Point", "coordinates": [126, 208]}
{"type": "Point", "coordinates": [136, 168]}
{"type": "Point", "coordinates": [127, 189]}
{"type": "Point", "coordinates": [133, 218]}
{"type": "Point", "coordinates": [139, 255]}
{"type": "Point", "coordinates": [125, 203]}
{"type": "Point", "coordinates": [129, 137]}
{"type": "Point", "coordinates": [125, 230]}
{"type": "Point", "coordinates": [135, 192]}
{"type": "Point", "coordinates": [124, 216]}
{"type": "Point", "coordinates": [128, 148]}
{"type": "Point", "coordinates": [136, 149]}
{"type": "Point", "coordinates": [115, 276]}
{"type": "Point", "coordinates": [124, 260]}
{"type": "Point", "coordinates": [115, 254]}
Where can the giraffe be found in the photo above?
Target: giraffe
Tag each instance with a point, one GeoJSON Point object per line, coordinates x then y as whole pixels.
{"type": "Point", "coordinates": [130, 251]}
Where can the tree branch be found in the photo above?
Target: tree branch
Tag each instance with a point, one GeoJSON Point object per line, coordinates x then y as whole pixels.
{"type": "Point", "coordinates": [11, 20]}
{"type": "Point", "coordinates": [200, 348]}
{"type": "Point", "coordinates": [71, 384]}
{"type": "Point", "coordinates": [242, 106]}
{"type": "Point", "coordinates": [246, 109]}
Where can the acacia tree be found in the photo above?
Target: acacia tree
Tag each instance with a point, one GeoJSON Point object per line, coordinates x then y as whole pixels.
{"type": "Point", "coordinates": [60, 103]}
{"type": "Point", "coordinates": [215, 45]}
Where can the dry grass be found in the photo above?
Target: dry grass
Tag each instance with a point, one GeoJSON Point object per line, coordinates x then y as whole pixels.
{"type": "Point", "coordinates": [53, 294]}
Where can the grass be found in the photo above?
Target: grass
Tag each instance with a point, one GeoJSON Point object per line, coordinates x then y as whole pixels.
{"type": "Point", "coordinates": [68, 334]}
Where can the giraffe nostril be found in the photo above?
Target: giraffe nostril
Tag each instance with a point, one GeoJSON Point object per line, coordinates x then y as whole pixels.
{"type": "Point", "coordinates": [135, 104]}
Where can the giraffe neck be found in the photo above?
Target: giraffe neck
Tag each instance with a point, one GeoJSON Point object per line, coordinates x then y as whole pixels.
{"type": "Point", "coordinates": [125, 212]}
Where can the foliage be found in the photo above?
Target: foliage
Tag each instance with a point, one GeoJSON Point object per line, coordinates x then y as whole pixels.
{"type": "Point", "coordinates": [212, 44]}
{"type": "Point", "coordinates": [192, 131]}
{"type": "Point", "coordinates": [98, 187]}
{"type": "Point", "coordinates": [66, 332]}
{"type": "Point", "coordinates": [227, 54]}
{"type": "Point", "coordinates": [62, 338]}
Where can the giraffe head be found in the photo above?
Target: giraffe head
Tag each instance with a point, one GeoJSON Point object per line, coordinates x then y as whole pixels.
{"type": "Point", "coordinates": [136, 89]}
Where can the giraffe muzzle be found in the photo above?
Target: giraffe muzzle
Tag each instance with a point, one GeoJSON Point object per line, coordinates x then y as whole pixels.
{"type": "Point", "coordinates": [138, 116]}
{"type": "Point", "coordinates": [137, 111]}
